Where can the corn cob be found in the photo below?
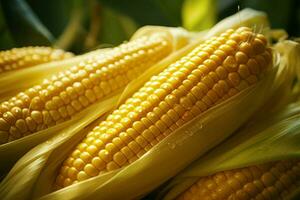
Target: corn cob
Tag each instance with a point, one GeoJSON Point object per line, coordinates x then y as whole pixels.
{"type": "Point", "coordinates": [274, 180]}
{"type": "Point", "coordinates": [17, 58]}
{"type": "Point", "coordinates": [211, 73]}
{"type": "Point", "coordinates": [70, 91]}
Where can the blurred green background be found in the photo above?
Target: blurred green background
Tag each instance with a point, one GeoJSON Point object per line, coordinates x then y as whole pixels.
{"type": "Point", "coordinates": [84, 25]}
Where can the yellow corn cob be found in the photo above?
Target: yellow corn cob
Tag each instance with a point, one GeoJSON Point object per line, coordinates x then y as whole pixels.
{"type": "Point", "coordinates": [267, 181]}
{"type": "Point", "coordinates": [70, 91]}
{"type": "Point", "coordinates": [17, 58]}
{"type": "Point", "coordinates": [212, 72]}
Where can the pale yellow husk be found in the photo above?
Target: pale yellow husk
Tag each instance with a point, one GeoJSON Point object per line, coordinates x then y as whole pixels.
{"type": "Point", "coordinates": [159, 164]}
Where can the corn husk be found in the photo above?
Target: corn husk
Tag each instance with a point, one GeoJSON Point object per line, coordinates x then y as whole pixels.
{"type": "Point", "coordinates": [12, 151]}
{"type": "Point", "coordinates": [272, 134]}
{"type": "Point", "coordinates": [277, 138]}
{"type": "Point", "coordinates": [247, 17]}
{"type": "Point", "coordinates": [159, 164]}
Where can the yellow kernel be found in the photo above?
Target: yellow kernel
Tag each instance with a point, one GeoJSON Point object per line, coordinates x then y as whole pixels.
{"type": "Point", "coordinates": [37, 117]}
{"type": "Point", "coordinates": [98, 163]}
{"type": "Point", "coordinates": [197, 92]}
{"type": "Point", "coordinates": [253, 66]}
{"type": "Point", "coordinates": [241, 57]}
{"type": "Point", "coordinates": [138, 126]}
{"type": "Point", "coordinates": [78, 164]}
{"type": "Point", "coordinates": [148, 135]}
{"type": "Point", "coordinates": [30, 123]}
{"type": "Point", "coordinates": [207, 81]}
{"type": "Point", "coordinates": [92, 149]}
{"type": "Point", "coordinates": [268, 179]}
{"type": "Point", "coordinates": [17, 112]}
{"type": "Point", "coordinates": [198, 73]}
{"type": "Point", "coordinates": [81, 176]}
{"type": "Point", "coordinates": [179, 110]}
{"type": "Point", "coordinates": [155, 131]}
{"type": "Point", "coordinates": [76, 105]}
{"type": "Point", "coordinates": [207, 101]}
{"type": "Point", "coordinates": [141, 141]}
{"type": "Point", "coordinates": [173, 115]}
{"type": "Point", "coordinates": [216, 59]}
{"type": "Point", "coordinates": [195, 111]}
{"type": "Point", "coordinates": [36, 103]}
{"type": "Point", "coordinates": [86, 157]}
{"type": "Point", "coordinates": [220, 54]}
{"type": "Point", "coordinates": [90, 95]}
{"type": "Point", "coordinates": [258, 46]}
{"type": "Point", "coordinates": [212, 95]}
{"type": "Point", "coordinates": [210, 64]}
{"type": "Point", "coordinates": [72, 173]}
{"type": "Point", "coordinates": [252, 79]}
{"type": "Point", "coordinates": [201, 105]}
{"type": "Point", "coordinates": [127, 152]}
{"type": "Point", "coordinates": [125, 137]}
{"type": "Point", "coordinates": [204, 70]}
{"type": "Point", "coordinates": [246, 48]}
{"type": "Point", "coordinates": [242, 85]}
{"type": "Point", "coordinates": [90, 170]}
{"type": "Point", "coordinates": [166, 120]}
{"type": "Point", "coordinates": [134, 146]}
{"type": "Point", "coordinates": [243, 71]}
{"type": "Point", "coordinates": [226, 48]}
{"type": "Point", "coordinates": [234, 78]}
{"type": "Point", "coordinates": [179, 75]}
{"type": "Point", "coordinates": [186, 102]}
{"type": "Point", "coordinates": [4, 125]}
{"type": "Point", "coordinates": [119, 158]}
{"type": "Point", "coordinates": [230, 63]}
{"type": "Point", "coordinates": [98, 92]}
{"type": "Point", "coordinates": [187, 84]}
{"type": "Point", "coordinates": [187, 116]}
{"type": "Point", "coordinates": [105, 87]}
{"type": "Point", "coordinates": [111, 148]}
{"type": "Point", "coordinates": [118, 142]}
{"type": "Point", "coordinates": [132, 132]}
{"type": "Point", "coordinates": [161, 126]}
{"type": "Point", "coordinates": [21, 125]}
{"type": "Point", "coordinates": [213, 76]}
{"type": "Point", "coordinates": [105, 155]}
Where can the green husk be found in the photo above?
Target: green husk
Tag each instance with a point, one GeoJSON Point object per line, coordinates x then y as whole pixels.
{"type": "Point", "coordinates": [159, 164]}
{"type": "Point", "coordinates": [271, 135]}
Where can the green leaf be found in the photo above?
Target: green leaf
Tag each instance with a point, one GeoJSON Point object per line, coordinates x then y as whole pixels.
{"type": "Point", "coordinates": [113, 28]}
{"type": "Point", "coordinates": [54, 14]}
{"type": "Point", "coordinates": [145, 12]}
{"type": "Point", "coordinates": [25, 28]}
{"type": "Point", "coordinates": [74, 31]}
{"type": "Point", "coordinates": [198, 14]}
